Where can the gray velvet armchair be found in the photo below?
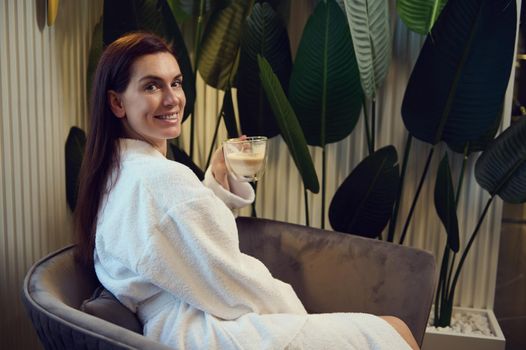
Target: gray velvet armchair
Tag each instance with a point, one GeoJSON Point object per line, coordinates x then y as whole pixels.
{"type": "Point", "coordinates": [330, 271]}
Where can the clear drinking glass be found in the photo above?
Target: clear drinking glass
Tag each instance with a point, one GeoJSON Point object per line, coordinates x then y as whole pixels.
{"type": "Point", "coordinates": [246, 158]}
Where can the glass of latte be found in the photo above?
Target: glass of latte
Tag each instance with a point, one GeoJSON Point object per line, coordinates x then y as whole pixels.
{"type": "Point", "coordinates": [245, 158]}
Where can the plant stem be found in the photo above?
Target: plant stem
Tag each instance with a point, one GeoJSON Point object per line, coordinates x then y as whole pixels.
{"type": "Point", "coordinates": [419, 189]}
{"type": "Point", "coordinates": [323, 175]}
{"type": "Point", "coordinates": [212, 145]}
{"type": "Point", "coordinates": [466, 250]}
{"type": "Point", "coordinates": [306, 207]}
{"type": "Point", "coordinates": [197, 42]}
{"type": "Point", "coordinates": [440, 289]}
{"type": "Point", "coordinates": [373, 122]}
{"type": "Point", "coordinates": [394, 215]}
{"type": "Point", "coordinates": [366, 120]}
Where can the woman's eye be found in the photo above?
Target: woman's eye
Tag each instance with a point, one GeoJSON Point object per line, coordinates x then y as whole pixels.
{"type": "Point", "coordinates": [151, 87]}
{"type": "Point", "coordinates": [177, 83]}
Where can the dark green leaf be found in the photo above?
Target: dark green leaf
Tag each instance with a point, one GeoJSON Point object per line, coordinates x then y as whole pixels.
{"type": "Point", "coordinates": [501, 168]}
{"type": "Point", "coordinates": [74, 151]}
{"type": "Point", "coordinates": [179, 12]}
{"type": "Point", "coordinates": [457, 86]}
{"type": "Point", "coordinates": [220, 45]}
{"type": "Point", "coordinates": [325, 86]}
{"type": "Point", "coordinates": [482, 142]}
{"type": "Point", "coordinates": [175, 153]}
{"type": "Point", "coordinates": [363, 203]}
{"type": "Point", "coordinates": [120, 16]}
{"type": "Point", "coordinates": [229, 116]}
{"type": "Point", "coordinates": [95, 51]}
{"type": "Point", "coordinates": [445, 203]}
{"type": "Point", "coordinates": [289, 126]}
{"type": "Point", "coordinates": [266, 35]}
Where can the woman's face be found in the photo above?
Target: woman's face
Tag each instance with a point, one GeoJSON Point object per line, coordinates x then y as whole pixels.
{"type": "Point", "coordinates": [151, 108]}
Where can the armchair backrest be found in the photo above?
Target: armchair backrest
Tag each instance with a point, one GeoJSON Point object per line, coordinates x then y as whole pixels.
{"type": "Point", "coordinates": [336, 272]}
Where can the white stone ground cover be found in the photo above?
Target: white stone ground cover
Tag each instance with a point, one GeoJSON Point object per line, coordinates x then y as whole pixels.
{"type": "Point", "coordinates": [463, 322]}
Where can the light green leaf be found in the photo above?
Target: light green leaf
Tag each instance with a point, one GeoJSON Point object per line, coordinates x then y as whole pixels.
{"type": "Point", "coordinates": [369, 25]}
{"type": "Point", "coordinates": [419, 15]}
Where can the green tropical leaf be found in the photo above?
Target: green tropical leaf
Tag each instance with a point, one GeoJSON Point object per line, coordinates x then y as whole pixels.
{"type": "Point", "coordinates": [119, 17]}
{"type": "Point", "coordinates": [180, 12]}
{"type": "Point", "coordinates": [363, 203]}
{"type": "Point", "coordinates": [220, 44]}
{"type": "Point", "coordinates": [265, 35]}
{"type": "Point", "coordinates": [369, 25]}
{"type": "Point", "coordinates": [445, 203]}
{"type": "Point", "coordinates": [501, 168]}
{"type": "Point", "coordinates": [325, 86]}
{"type": "Point", "coordinates": [193, 7]}
{"type": "Point", "coordinates": [419, 15]}
{"type": "Point", "coordinates": [457, 86]}
{"type": "Point", "coordinates": [289, 125]}
{"type": "Point", "coordinates": [95, 51]}
{"type": "Point", "coordinates": [74, 151]}
{"type": "Point", "coordinates": [482, 142]}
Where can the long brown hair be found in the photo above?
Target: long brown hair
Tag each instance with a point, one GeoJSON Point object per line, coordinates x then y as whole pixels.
{"type": "Point", "coordinates": [102, 154]}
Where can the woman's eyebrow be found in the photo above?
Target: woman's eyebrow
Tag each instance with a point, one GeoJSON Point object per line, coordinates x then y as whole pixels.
{"type": "Point", "coordinates": [154, 77]}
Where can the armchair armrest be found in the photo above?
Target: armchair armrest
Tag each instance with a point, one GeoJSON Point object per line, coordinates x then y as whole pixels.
{"type": "Point", "coordinates": [337, 272]}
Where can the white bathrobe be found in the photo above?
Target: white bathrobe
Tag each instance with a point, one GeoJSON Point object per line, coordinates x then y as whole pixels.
{"type": "Point", "coordinates": [167, 248]}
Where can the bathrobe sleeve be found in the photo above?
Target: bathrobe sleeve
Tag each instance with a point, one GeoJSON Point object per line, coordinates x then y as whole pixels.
{"type": "Point", "coordinates": [193, 252]}
{"type": "Point", "coordinates": [240, 195]}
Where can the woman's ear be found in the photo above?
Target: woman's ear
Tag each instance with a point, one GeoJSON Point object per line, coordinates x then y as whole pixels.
{"type": "Point", "coordinates": [116, 104]}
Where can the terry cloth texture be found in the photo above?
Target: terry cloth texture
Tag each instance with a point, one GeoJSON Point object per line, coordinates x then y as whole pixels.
{"type": "Point", "coordinates": [167, 248]}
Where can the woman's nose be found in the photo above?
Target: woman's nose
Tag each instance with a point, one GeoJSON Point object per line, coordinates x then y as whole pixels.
{"type": "Point", "coordinates": [173, 97]}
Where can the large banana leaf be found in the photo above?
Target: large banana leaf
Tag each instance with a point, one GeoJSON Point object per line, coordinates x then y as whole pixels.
{"type": "Point", "coordinates": [445, 203]}
{"type": "Point", "coordinates": [369, 25]}
{"type": "Point", "coordinates": [192, 7]}
{"type": "Point", "coordinates": [74, 151]}
{"type": "Point", "coordinates": [482, 142]}
{"type": "Point", "coordinates": [325, 86]}
{"type": "Point", "coordinates": [119, 17]}
{"type": "Point", "coordinates": [457, 86]}
{"type": "Point", "coordinates": [501, 168]}
{"type": "Point", "coordinates": [419, 15]}
{"type": "Point", "coordinates": [363, 203]}
{"type": "Point", "coordinates": [289, 125]}
{"type": "Point", "coordinates": [265, 35]}
{"type": "Point", "coordinates": [220, 45]}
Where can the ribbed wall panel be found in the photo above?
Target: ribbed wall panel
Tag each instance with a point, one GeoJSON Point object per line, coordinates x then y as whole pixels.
{"type": "Point", "coordinates": [42, 80]}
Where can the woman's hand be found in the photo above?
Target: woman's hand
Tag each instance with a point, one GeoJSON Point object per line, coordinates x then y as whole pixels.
{"type": "Point", "coordinates": [219, 169]}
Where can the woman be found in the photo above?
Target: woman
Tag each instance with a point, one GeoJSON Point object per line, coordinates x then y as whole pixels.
{"type": "Point", "coordinates": [166, 244]}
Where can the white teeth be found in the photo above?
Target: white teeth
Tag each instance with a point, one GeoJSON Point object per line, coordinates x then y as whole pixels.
{"type": "Point", "coordinates": [167, 117]}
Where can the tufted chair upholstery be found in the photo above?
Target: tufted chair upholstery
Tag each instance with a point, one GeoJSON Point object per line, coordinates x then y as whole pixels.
{"type": "Point", "coordinates": [330, 271]}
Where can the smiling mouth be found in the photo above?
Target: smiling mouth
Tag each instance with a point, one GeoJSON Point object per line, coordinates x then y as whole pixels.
{"type": "Point", "coordinates": [173, 116]}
